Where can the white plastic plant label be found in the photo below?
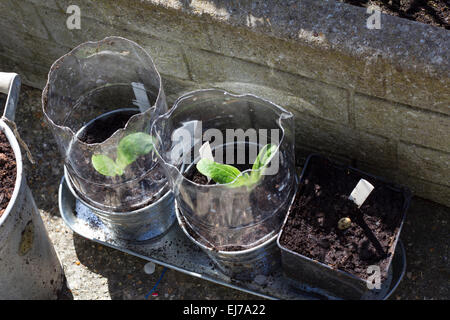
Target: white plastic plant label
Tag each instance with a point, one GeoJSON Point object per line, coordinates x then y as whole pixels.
{"type": "Point", "coordinates": [206, 152]}
{"type": "Point", "coordinates": [141, 100]}
{"type": "Point", "coordinates": [5, 81]}
{"type": "Point", "coordinates": [361, 192]}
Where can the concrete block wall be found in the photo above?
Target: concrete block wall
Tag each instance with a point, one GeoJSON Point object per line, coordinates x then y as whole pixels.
{"type": "Point", "coordinates": [379, 99]}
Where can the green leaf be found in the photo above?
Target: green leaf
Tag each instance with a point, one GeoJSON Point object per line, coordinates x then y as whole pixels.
{"type": "Point", "coordinates": [262, 160]}
{"type": "Point", "coordinates": [133, 146]}
{"type": "Point", "coordinates": [264, 156]}
{"type": "Point", "coordinates": [105, 165]}
{"type": "Point", "coordinates": [223, 173]}
{"type": "Point", "coordinates": [128, 150]}
{"type": "Point", "coordinates": [243, 180]}
{"type": "Point", "coordinates": [220, 173]}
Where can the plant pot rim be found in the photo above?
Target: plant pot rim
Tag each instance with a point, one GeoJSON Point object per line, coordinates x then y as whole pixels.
{"type": "Point", "coordinates": [19, 168]}
{"type": "Point", "coordinates": [222, 252]}
{"type": "Point", "coordinates": [284, 114]}
{"type": "Point", "coordinates": [407, 194]}
{"type": "Point", "coordinates": [56, 65]}
{"type": "Point", "coordinates": [114, 213]}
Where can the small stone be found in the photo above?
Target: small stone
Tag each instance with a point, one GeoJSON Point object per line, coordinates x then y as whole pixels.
{"type": "Point", "coordinates": [344, 223]}
{"type": "Point", "coordinates": [321, 221]}
{"type": "Point", "coordinates": [3, 158]}
{"type": "Point", "coordinates": [149, 268]}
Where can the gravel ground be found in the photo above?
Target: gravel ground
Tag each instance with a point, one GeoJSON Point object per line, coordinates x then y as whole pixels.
{"type": "Point", "coordinates": [94, 271]}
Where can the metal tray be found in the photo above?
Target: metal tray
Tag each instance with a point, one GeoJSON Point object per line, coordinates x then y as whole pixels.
{"type": "Point", "coordinates": [174, 250]}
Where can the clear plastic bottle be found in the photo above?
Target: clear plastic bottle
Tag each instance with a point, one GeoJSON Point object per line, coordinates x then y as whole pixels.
{"type": "Point", "coordinates": [96, 95]}
{"type": "Point", "coordinates": [218, 215]}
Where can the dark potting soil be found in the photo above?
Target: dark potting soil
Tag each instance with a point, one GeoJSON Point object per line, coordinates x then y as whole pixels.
{"type": "Point", "coordinates": [322, 200]}
{"type": "Point", "coordinates": [104, 127]}
{"type": "Point", "coordinates": [7, 172]}
{"type": "Point", "coordinates": [197, 177]}
{"type": "Point", "coordinates": [433, 12]}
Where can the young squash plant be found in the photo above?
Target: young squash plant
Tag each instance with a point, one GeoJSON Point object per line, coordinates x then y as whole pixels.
{"type": "Point", "coordinates": [225, 174]}
{"type": "Point", "coordinates": [129, 149]}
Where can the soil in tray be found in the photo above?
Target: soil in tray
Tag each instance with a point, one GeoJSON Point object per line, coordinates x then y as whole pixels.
{"type": "Point", "coordinates": [7, 172]}
{"type": "Point", "coordinates": [433, 12]}
{"type": "Point", "coordinates": [322, 200]}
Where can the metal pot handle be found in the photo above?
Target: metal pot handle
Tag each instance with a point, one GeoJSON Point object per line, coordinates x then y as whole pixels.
{"type": "Point", "coordinates": [10, 84]}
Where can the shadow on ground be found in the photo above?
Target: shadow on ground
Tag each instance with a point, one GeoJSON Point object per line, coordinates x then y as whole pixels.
{"type": "Point", "coordinates": [426, 239]}
{"type": "Point", "coordinates": [127, 279]}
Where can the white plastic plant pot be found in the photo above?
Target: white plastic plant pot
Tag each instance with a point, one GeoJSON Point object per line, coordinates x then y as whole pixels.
{"type": "Point", "coordinates": [29, 266]}
{"type": "Point", "coordinates": [225, 217]}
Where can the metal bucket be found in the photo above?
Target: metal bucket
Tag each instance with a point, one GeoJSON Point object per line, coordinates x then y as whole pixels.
{"type": "Point", "coordinates": [334, 282]}
{"type": "Point", "coordinates": [29, 266]}
{"type": "Point", "coordinates": [244, 265]}
{"type": "Point", "coordinates": [143, 224]}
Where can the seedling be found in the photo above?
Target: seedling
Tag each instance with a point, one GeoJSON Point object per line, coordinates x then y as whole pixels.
{"type": "Point", "coordinates": [128, 150]}
{"type": "Point", "coordinates": [225, 174]}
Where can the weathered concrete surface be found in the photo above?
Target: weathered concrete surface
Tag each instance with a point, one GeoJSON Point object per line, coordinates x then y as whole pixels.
{"type": "Point", "coordinates": [378, 98]}
{"type": "Point", "coordinates": [97, 272]}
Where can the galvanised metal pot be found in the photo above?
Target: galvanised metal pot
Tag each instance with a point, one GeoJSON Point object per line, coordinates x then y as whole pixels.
{"type": "Point", "coordinates": [29, 266]}
{"type": "Point", "coordinates": [244, 265]}
{"type": "Point", "coordinates": [143, 224]}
